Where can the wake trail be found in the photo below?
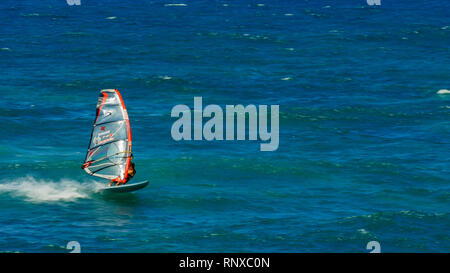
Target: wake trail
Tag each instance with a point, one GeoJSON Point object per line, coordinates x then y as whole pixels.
{"type": "Point", "coordinates": [40, 190]}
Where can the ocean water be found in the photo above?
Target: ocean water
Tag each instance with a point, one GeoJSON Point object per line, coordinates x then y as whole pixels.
{"type": "Point", "coordinates": [364, 136]}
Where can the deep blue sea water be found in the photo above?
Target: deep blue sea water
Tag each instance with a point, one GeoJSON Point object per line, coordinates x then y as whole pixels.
{"type": "Point", "coordinates": [364, 136]}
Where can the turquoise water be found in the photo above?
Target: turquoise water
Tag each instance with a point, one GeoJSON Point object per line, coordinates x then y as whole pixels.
{"type": "Point", "coordinates": [364, 136]}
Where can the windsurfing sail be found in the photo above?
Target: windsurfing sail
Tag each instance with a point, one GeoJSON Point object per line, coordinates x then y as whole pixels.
{"type": "Point", "coordinates": [109, 152]}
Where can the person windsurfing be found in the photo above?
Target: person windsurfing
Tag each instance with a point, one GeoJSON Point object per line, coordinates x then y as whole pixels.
{"type": "Point", "coordinates": [119, 181]}
{"type": "Point", "coordinates": [109, 153]}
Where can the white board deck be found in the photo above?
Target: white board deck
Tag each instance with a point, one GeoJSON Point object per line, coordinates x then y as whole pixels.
{"type": "Point", "coordinates": [124, 188]}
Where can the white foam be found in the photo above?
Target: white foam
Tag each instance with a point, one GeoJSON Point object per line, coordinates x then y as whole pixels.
{"type": "Point", "coordinates": [38, 191]}
{"type": "Point", "coordinates": [443, 91]}
{"type": "Point", "coordinates": [31, 15]}
{"type": "Point", "coordinates": [363, 231]}
{"type": "Point", "coordinates": [176, 5]}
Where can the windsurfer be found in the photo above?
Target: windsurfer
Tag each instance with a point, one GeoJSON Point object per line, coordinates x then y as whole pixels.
{"type": "Point", "coordinates": [131, 173]}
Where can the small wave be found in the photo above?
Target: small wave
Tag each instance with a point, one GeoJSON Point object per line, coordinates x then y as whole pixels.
{"type": "Point", "coordinates": [37, 191]}
{"type": "Point", "coordinates": [363, 231]}
{"type": "Point", "coordinates": [77, 34]}
{"type": "Point", "coordinates": [443, 91]}
{"type": "Point", "coordinates": [176, 5]}
{"type": "Point", "coordinates": [54, 16]}
{"type": "Point", "coordinates": [31, 15]}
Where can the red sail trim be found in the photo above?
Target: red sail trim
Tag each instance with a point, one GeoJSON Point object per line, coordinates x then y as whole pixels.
{"type": "Point", "coordinates": [127, 122]}
{"type": "Point", "coordinates": [87, 164]}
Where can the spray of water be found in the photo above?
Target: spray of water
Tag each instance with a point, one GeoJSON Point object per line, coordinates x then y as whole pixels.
{"type": "Point", "coordinates": [34, 190]}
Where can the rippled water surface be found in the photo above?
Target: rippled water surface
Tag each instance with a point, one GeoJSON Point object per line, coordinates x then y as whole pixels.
{"type": "Point", "coordinates": [364, 134]}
